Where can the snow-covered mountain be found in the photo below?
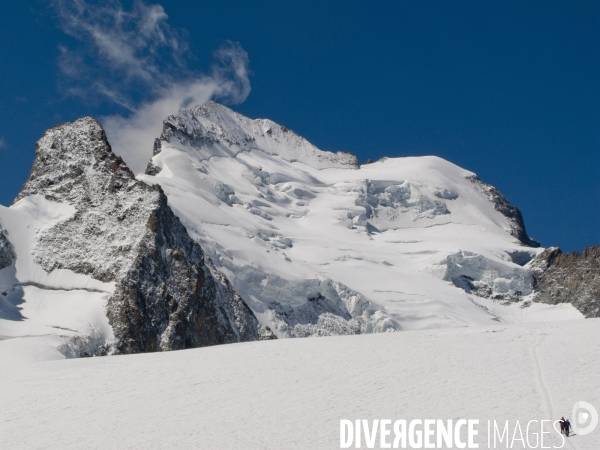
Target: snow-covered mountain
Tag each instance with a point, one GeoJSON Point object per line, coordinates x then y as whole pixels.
{"type": "Point", "coordinates": [304, 242]}
{"type": "Point", "coordinates": [317, 244]}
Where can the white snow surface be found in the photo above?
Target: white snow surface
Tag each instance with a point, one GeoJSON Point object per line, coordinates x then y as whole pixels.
{"type": "Point", "coordinates": [229, 132]}
{"type": "Point", "coordinates": [292, 393]}
{"type": "Point", "coordinates": [286, 221]}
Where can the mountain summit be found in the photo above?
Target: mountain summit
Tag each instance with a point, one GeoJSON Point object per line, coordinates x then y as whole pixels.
{"type": "Point", "coordinates": [216, 130]}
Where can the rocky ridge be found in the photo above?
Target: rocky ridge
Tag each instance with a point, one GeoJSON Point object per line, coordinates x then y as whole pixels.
{"type": "Point", "coordinates": [503, 206]}
{"type": "Point", "coordinates": [568, 278]}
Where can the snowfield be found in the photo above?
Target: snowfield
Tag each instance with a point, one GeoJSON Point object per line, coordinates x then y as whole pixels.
{"type": "Point", "coordinates": [292, 393]}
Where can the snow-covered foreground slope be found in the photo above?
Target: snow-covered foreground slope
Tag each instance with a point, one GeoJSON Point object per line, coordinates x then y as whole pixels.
{"type": "Point", "coordinates": [292, 393]}
{"type": "Point", "coordinates": [317, 245]}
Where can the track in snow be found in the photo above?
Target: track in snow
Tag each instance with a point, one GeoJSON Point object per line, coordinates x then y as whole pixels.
{"type": "Point", "coordinates": [544, 389]}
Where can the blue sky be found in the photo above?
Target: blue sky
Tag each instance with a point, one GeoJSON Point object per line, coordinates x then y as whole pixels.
{"type": "Point", "coordinates": [509, 90]}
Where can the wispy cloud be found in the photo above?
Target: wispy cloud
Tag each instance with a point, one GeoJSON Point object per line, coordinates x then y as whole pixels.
{"type": "Point", "coordinates": [118, 49]}
{"type": "Point", "coordinates": [136, 60]}
{"type": "Point", "coordinates": [2, 143]}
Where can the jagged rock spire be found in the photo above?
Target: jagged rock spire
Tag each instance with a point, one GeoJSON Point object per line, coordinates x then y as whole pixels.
{"type": "Point", "coordinates": [168, 295]}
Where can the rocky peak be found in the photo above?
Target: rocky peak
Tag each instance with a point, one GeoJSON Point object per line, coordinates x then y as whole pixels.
{"type": "Point", "coordinates": [74, 162]}
{"type": "Point", "coordinates": [168, 295]}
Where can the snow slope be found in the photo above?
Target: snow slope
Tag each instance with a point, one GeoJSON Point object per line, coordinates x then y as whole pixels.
{"type": "Point", "coordinates": [47, 310]}
{"type": "Point", "coordinates": [317, 245]}
{"type": "Point", "coordinates": [292, 393]}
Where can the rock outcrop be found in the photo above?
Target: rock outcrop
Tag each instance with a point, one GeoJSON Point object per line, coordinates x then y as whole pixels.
{"type": "Point", "coordinates": [167, 295]}
{"type": "Point", "coordinates": [6, 250]}
{"type": "Point", "coordinates": [503, 206]}
{"type": "Point", "coordinates": [568, 278]}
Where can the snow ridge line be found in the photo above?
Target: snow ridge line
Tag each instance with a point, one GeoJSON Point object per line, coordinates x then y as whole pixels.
{"type": "Point", "coordinates": [539, 374]}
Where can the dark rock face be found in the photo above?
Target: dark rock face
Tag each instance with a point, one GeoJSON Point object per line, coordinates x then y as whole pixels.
{"type": "Point", "coordinates": [6, 251]}
{"type": "Point", "coordinates": [170, 298]}
{"type": "Point", "coordinates": [151, 169]}
{"type": "Point", "coordinates": [512, 213]}
{"type": "Point", "coordinates": [569, 278]}
{"type": "Point", "coordinates": [168, 294]}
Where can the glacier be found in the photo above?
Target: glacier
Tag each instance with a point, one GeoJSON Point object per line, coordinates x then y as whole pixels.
{"type": "Point", "coordinates": [318, 244]}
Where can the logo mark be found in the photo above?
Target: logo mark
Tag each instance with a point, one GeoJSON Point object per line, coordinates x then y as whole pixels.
{"type": "Point", "coordinates": [585, 418]}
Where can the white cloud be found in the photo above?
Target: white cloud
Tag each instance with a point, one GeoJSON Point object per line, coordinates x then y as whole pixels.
{"type": "Point", "coordinates": [136, 60]}
{"type": "Point", "coordinates": [136, 46]}
{"type": "Point", "coordinates": [133, 136]}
